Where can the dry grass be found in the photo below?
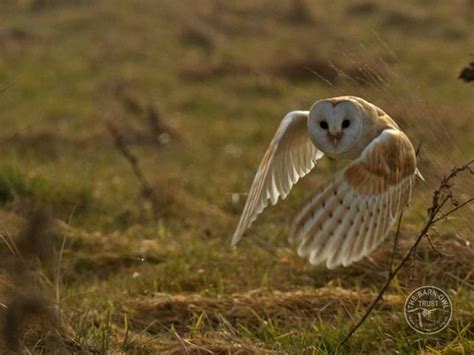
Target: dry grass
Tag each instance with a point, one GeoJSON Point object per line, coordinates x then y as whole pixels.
{"type": "Point", "coordinates": [162, 312]}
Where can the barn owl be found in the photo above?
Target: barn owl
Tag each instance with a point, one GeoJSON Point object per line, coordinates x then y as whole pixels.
{"type": "Point", "coordinates": [349, 216]}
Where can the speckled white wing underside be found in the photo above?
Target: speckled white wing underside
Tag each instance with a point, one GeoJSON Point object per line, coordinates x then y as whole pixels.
{"type": "Point", "coordinates": [351, 215]}
{"type": "Point", "coordinates": [290, 156]}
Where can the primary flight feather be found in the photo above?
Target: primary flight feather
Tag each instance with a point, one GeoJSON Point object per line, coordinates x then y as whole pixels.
{"type": "Point", "coordinates": [349, 216]}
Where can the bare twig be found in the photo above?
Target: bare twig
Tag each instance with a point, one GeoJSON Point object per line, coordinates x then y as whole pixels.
{"type": "Point", "coordinates": [147, 191]}
{"type": "Point", "coordinates": [129, 103]}
{"type": "Point", "coordinates": [155, 128]}
{"type": "Point", "coordinates": [430, 242]}
{"type": "Point", "coordinates": [6, 86]}
{"type": "Point", "coordinates": [154, 120]}
{"type": "Point", "coordinates": [454, 210]}
{"type": "Point", "coordinates": [442, 195]}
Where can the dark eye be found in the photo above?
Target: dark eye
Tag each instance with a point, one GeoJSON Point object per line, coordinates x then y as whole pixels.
{"type": "Point", "coordinates": [346, 123]}
{"type": "Point", "coordinates": [323, 124]}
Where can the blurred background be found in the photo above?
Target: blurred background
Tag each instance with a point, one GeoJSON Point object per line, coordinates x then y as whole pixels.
{"type": "Point", "coordinates": [131, 132]}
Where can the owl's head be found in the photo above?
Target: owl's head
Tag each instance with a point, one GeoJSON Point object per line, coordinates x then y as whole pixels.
{"type": "Point", "coordinates": [335, 125]}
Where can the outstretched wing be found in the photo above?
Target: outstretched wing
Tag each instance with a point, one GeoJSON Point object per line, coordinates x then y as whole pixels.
{"type": "Point", "coordinates": [352, 214]}
{"type": "Point", "coordinates": [290, 156]}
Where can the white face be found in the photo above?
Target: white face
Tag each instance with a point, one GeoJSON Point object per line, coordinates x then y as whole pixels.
{"type": "Point", "coordinates": [334, 128]}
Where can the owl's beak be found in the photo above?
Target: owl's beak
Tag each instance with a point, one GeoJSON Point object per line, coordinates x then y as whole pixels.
{"type": "Point", "coordinates": [334, 138]}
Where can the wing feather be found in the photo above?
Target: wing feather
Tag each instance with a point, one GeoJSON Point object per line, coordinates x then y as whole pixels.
{"type": "Point", "coordinates": [290, 156]}
{"type": "Point", "coordinates": [351, 215]}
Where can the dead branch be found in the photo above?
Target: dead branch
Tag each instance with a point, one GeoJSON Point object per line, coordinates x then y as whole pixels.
{"type": "Point", "coordinates": [433, 247]}
{"type": "Point", "coordinates": [147, 191]}
{"type": "Point", "coordinates": [129, 103]}
{"type": "Point", "coordinates": [154, 121]}
{"type": "Point", "coordinates": [160, 130]}
{"type": "Point", "coordinates": [442, 196]}
{"type": "Point", "coordinates": [6, 86]}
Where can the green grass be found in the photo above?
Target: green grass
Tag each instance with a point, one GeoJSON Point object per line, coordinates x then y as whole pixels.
{"type": "Point", "coordinates": [222, 75]}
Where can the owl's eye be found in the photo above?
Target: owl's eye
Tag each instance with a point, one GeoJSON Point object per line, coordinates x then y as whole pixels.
{"type": "Point", "coordinates": [346, 123]}
{"type": "Point", "coordinates": [323, 124]}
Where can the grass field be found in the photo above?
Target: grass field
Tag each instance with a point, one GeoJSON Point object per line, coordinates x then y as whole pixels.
{"type": "Point", "coordinates": [94, 260]}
